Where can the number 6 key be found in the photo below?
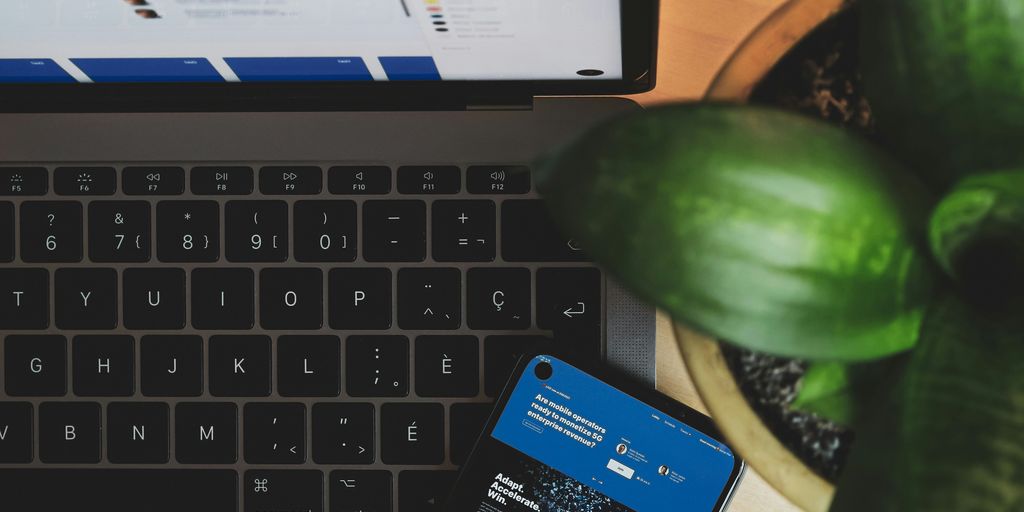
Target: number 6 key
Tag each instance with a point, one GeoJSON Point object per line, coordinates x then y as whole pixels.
{"type": "Point", "coordinates": [51, 232]}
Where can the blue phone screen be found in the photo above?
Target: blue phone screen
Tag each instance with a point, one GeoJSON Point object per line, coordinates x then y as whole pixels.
{"type": "Point", "coordinates": [568, 441]}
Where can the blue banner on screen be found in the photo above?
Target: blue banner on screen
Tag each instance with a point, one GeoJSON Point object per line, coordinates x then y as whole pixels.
{"type": "Point", "coordinates": [410, 68]}
{"type": "Point", "coordinates": [148, 70]}
{"type": "Point", "coordinates": [627, 455]}
{"type": "Point", "coordinates": [32, 71]}
{"type": "Point", "coordinates": [298, 69]}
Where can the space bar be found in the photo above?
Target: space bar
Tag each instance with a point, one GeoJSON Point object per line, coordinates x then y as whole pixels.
{"type": "Point", "coordinates": [116, 490]}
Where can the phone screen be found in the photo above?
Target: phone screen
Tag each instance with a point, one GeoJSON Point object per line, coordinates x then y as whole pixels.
{"type": "Point", "coordinates": [566, 441]}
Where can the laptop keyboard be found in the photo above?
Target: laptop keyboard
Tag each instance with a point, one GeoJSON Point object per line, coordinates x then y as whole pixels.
{"type": "Point", "coordinates": [246, 337]}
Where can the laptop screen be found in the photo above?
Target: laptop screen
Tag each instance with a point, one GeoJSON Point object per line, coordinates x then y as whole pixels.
{"type": "Point", "coordinates": [185, 41]}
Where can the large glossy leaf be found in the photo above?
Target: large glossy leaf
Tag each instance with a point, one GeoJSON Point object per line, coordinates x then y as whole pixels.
{"type": "Point", "coordinates": [950, 437]}
{"type": "Point", "coordinates": [773, 231]}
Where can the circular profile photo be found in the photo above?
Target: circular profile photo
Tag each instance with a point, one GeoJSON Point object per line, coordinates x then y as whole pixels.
{"type": "Point", "coordinates": [663, 470]}
{"type": "Point", "coordinates": [621, 449]}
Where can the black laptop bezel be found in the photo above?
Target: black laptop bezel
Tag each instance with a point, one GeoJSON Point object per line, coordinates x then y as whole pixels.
{"type": "Point", "coordinates": [639, 54]}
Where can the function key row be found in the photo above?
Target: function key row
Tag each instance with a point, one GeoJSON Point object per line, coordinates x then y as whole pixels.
{"type": "Point", "coordinates": [273, 180]}
{"type": "Point", "coordinates": [259, 231]}
{"type": "Point", "coordinates": [242, 365]}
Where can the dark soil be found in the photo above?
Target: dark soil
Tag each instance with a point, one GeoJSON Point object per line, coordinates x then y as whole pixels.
{"type": "Point", "coordinates": [820, 77]}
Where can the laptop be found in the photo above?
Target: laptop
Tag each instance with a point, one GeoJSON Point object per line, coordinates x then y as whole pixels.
{"type": "Point", "coordinates": [281, 255]}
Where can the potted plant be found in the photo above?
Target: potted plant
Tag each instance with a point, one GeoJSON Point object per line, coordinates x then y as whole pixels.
{"type": "Point", "coordinates": [896, 266]}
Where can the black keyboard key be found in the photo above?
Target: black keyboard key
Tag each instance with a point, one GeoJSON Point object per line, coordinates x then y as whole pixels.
{"type": "Point", "coordinates": [301, 180]}
{"type": "Point", "coordinates": [498, 179]}
{"type": "Point", "coordinates": [16, 430]}
{"type": "Point", "coordinates": [138, 433]}
{"type": "Point", "coordinates": [360, 491]}
{"type": "Point", "coordinates": [325, 231]}
{"type": "Point", "coordinates": [529, 234]}
{"type": "Point", "coordinates": [128, 490]}
{"type": "Point", "coordinates": [501, 353]}
{"type": "Point", "coordinates": [24, 298]}
{"type": "Point", "coordinates": [23, 181]}
{"type": "Point", "coordinates": [412, 433]}
{"type": "Point", "coordinates": [447, 366]}
{"type": "Point", "coordinates": [154, 298]}
{"type": "Point", "coordinates": [223, 298]}
{"type": "Point", "coordinates": [463, 230]}
{"type": "Point", "coordinates": [291, 298]}
{"type": "Point", "coordinates": [424, 491]}
{"type": "Point", "coordinates": [205, 433]}
{"type": "Point", "coordinates": [51, 232]}
{"type": "Point", "coordinates": [359, 180]}
{"type": "Point", "coordinates": [427, 179]}
{"type": "Point", "coordinates": [172, 365]}
{"type": "Point", "coordinates": [239, 365]}
{"type": "Point", "coordinates": [85, 181]}
{"type": "Point", "coordinates": [35, 365]}
{"type": "Point", "coordinates": [69, 433]}
{"type": "Point", "coordinates": [103, 365]}
{"type": "Point", "coordinates": [569, 303]}
{"type": "Point", "coordinates": [86, 298]}
{"type": "Point", "coordinates": [275, 433]}
{"type": "Point", "coordinates": [6, 232]}
{"type": "Point", "coordinates": [498, 298]}
{"type": "Point", "coordinates": [153, 181]}
{"type": "Point", "coordinates": [429, 298]}
{"type": "Point", "coordinates": [273, 490]}
{"type": "Point", "coordinates": [119, 231]}
{"type": "Point", "coordinates": [188, 231]}
{"type": "Point", "coordinates": [222, 181]}
{"type": "Point", "coordinates": [256, 231]}
{"type": "Point", "coordinates": [394, 231]}
{"type": "Point", "coordinates": [467, 422]}
{"type": "Point", "coordinates": [343, 433]}
{"type": "Point", "coordinates": [308, 366]}
{"type": "Point", "coordinates": [377, 365]}
{"type": "Point", "coordinates": [360, 298]}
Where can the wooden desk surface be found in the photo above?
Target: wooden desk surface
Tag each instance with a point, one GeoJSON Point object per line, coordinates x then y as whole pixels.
{"type": "Point", "coordinates": [697, 36]}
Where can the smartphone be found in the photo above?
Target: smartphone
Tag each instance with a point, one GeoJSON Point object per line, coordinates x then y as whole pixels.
{"type": "Point", "coordinates": [567, 437]}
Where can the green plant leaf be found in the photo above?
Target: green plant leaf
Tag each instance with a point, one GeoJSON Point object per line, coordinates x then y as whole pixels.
{"type": "Point", "coordinates": [842, 392]}
{"type": "Point", "coordinates": [825, 391]}
{"type": "Point", "coordinates": [950, 436]}
{"type": "Point", "coordinates": [977, 234]}
{"type": "Point", "coordinates": [773, 231]}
